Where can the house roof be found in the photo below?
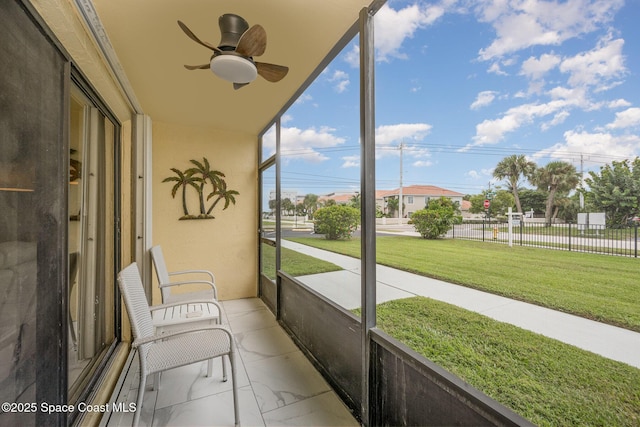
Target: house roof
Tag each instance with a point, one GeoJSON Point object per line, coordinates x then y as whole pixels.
{"type": "Point", "coordinates": [421, 190]}
{"type": "Point", "coordinates": [338, 197]}
{"type": "Point", "coordinates": [151, 49]}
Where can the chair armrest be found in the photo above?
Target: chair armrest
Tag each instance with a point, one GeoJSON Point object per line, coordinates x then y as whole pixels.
{"type": "Point", "coordinates": [207, 272]}
{"type": "Point", "coordinates": [179, 303]}
{"type": "Point", "coordinates": [189, 282]}
{"type": "Point", "coordinates": [138, 342]}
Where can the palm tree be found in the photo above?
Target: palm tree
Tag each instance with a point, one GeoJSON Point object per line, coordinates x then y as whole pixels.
{"type": "Point", "coordinates": [513, 168]}
{"type": "Point", "coordinates": [310, 204]}
{"type": "Point", "coordinates": [215, 177]}
{"type": "Point", "coordinates": [557, 176]}
{"type": "Point", "coordinates": [222, 193]}
{"type": "Point", "coordinates": [182, 180]}
{"type": "Point", "coordinates": [355, 201]}
{"type": "Point", "coordinates": [392, 205]}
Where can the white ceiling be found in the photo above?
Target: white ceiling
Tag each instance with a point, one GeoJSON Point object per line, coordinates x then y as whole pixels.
{"type": "Point", "coordinates": [152, 49]}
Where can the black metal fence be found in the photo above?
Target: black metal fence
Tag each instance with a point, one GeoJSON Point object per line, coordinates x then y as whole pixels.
{"type": "Point", "coordinates": [569, 237]}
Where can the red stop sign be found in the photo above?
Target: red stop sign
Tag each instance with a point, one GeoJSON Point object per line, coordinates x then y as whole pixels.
{"type": "Point", "coordinates": [487, 202]}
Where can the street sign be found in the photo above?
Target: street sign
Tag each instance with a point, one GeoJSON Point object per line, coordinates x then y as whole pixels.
{"type": "Point", "coordinates": [487, 202]}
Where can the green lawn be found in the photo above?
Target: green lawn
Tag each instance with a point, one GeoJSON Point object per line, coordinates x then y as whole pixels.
{"type": "Point", "coordinates": [544, 380]}
{"type": "Point", "coordinates": [294, 263]}
{"type": "Point", "coordinates": [599, 287]}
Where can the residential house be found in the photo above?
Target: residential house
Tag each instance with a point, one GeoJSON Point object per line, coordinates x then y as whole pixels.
{"type": "Point", "coordinates": [415, 197]}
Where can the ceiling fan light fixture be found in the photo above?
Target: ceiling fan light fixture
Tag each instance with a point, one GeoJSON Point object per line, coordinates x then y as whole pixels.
{"type": "Point", "coordinates": [234, 69]}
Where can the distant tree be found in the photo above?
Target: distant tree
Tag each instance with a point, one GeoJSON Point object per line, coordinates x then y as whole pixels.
{"type": "Point", "coordinates": [392, 206]}
{"type": "Point", "coordinates": [354, 201]}
{"type": "Point", "coordinates": [616, 191]}
{"type": "Point", "coordinates": [500, 202]}
{"type": "Point", "coordinates": [436, 218]}
{"type": "Point", "coordinates": [554, 177]}
{"type": "Point", "coordinates": [567, 207]}
{"type": "Point", "coordinates": [287, 206]}
{"type": "Point", "coordinates": [513, 168]}
{"type": "Point", "coordinates": [337, 221]}
{"type": "Point", "coordinates": [535, 200]}
{"type": "Point", "coordinates": [310, 204]}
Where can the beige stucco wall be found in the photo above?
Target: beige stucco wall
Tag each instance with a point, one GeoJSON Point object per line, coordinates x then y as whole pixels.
{"type": "Point", "coordinates": [226, 245]}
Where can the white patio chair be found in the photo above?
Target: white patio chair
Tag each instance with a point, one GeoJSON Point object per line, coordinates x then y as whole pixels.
{"type": "Point", "coordinates": [165, 283]}
{"type": "Point", "coordinates": [161, 352]}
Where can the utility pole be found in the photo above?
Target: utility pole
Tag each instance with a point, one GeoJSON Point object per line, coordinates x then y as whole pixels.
{"type": "Point", "coordinates": [581, 178]}
{"type": "Point", "coordinates": [400, 196]}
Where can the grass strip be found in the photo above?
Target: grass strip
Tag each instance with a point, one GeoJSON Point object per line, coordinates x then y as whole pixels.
{"type": "Point", "coordinates": [546, 381]}
{"type": "Point", "coordinates": [599, 287]}
{"type": "Point", "coordinates": [294, 263]}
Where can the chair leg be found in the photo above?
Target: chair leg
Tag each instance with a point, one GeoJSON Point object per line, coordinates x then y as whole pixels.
{"type": "Point", "coordinates": [141, 387]}
{"type": "Point", "coordinates": [236, 409]}
{"type": "Point", "coordinates": [209, 368]}
{"type": "Point", "coordinates": [156, 381]}
{"type": "Point", "coordinates": [224, 369]}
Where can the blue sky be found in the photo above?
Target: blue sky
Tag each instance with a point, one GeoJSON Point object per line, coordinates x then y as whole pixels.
{"type": "Point", "coordinates": [462, 84]}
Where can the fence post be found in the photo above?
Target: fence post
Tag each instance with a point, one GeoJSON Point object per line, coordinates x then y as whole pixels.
{"type": "Point", "coordinates": [635, 241]}
{"type": "Point", "coordinates": [483, 222]}
{"type": "Point", "coordinates": [521, 228]}
{"type": "Point", "coordinates": [569, 237]}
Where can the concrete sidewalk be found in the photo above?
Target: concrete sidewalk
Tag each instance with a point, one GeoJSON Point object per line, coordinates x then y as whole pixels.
{"type": "Point", "coordinates": [343, 287]}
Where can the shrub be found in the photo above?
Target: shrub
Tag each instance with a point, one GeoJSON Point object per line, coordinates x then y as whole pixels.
{"type": "Point", "coordinates": [337, 221]}
{"type": "Point", "coordinates": [436, 219]}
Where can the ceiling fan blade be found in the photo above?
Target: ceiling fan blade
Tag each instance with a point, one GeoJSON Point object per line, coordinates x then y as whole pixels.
{"type": "Point", "coordinates": [198, 67]}
{"type": "Point", "coordinates": [237, 86]}
{"type": "Point", "coordinates": [271, 72]}
{"type": "Point", "coordinates": [253, 42]}
{"type": "Point", "coordinates": [193, 37]}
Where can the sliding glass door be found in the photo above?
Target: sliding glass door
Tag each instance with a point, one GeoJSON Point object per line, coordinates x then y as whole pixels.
{"type": "Point", "coordinates": [91, 247]}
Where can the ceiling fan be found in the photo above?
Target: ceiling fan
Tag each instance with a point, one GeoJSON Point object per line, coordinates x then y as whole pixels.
{"type": "Point", "coordinates": [232, 59]}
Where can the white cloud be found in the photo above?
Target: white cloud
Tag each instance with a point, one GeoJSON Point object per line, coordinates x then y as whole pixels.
{"type": "Point", "coordinates": [493, 131]}
{"type": "Point", "coordinates": [340, 79]}
{"type": "Point", "coordinates": [618, 103]}
{"type": "Point", "coordinates": [559, 118]}
{"type": "Point", "coordinates": [351, 162]}
{"type": "Point", "coordinates": [473, 174]}
{"type": "Point", "coordinates": [483, 99]}
{"type": "Point", "coordinates": [495, 69]}
{"type": "Point", "coordinates": [593, 147]}
{"type": "Point", "coordinates": [536, 68]}
{"type": "Point", "coordinates": [393, 27]}
{"type": "Point", "coordinates": [482, 174]}
{"type": "Point", "coordinates": [422, 163]}
{"type": "Point", "coordinates": [597, 66]}
{"type": "Point", "coordinates": [388, 134]}
{"type": "Point", "coordinates": [305, 144]}
{"type": "Point", "coordinates": [305, 97]}
{"type": "Point", "coordinates": [522, 24]}
{"type": "Point", "coordinates": [388, 139]}
{"type": "Point", "coordinates": [625, 119]}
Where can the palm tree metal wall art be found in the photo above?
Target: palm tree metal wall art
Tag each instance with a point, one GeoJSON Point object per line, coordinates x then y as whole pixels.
{"type": "Point", "coordinates": [203, 180]}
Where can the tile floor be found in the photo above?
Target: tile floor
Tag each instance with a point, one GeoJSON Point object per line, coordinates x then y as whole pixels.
{"type": "Point", "coordinates": [277, 385]}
